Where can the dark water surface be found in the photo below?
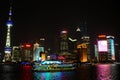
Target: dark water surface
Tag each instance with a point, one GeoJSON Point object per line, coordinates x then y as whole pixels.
{"type": "Point", "coordinates": [85, 72]}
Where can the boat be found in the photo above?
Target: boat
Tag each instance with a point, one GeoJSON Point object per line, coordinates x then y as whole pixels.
{"type": "Point", "coordinates": [52, 65]}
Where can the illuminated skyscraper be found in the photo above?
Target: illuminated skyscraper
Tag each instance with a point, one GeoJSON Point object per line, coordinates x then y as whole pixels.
{"type": "Point", "coordinates": [86, 41]}
{"type": "Point", "coordinates": [106, 48]}
{"type": "Point", "coordinates": [16, 54]}
{"type": "Point", "coordinates": [64, 41]}
{"type": "Point", "coordinates": [26, 52]}
{"type": "Point", "coordinates": [9, 24]}
{"type": "Point", "coordinates": [83, 43]}
{"type": "Point", "coordinates": [111, 48]}
{"type": "Point", "coordinates": [78, 34]}
{"type": "Point", "coordinates": [102, 45]}
{"type": "Point", "coordinates": [37, 51]}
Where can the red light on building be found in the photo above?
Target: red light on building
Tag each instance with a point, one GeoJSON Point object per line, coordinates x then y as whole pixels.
{"type": "Point", "coordinates": [25, 46]}
{"type": "Point", "coordinates": [28, 45]}
{"type": "Point", "coordinates": [102, 36]}
{"type": "Point", "coordinates": [64, 32]}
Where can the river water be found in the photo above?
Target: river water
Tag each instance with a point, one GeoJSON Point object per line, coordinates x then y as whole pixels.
{"type": "Point", "coordinates": [84, 72]}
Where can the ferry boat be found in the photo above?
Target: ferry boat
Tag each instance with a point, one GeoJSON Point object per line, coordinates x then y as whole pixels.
{"type": "Point", "coordinates": [53, 65]}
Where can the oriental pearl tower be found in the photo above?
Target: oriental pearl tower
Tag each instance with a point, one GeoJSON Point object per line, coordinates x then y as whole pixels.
{"type": "Point", "coordinates": [7, 49]}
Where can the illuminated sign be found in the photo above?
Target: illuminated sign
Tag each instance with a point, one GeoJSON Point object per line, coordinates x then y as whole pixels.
{"type": "Point", "coordinates": [102, 46]}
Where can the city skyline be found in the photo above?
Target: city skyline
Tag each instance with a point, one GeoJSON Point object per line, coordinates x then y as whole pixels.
{"type": "Point", "coordinates": [33, 20]}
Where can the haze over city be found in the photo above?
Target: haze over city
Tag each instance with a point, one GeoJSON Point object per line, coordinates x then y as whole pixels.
{"type": "Point", "coordinates": [33, 19]}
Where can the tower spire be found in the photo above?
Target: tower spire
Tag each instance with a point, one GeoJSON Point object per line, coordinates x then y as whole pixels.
{"type": "Point", "coordinates": [9, 24]}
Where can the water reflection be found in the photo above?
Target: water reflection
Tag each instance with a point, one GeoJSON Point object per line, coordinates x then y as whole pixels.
{"type": "Point", "coordinates": [26, 76]}
{"type": "Point", "coordinates": [8, 76]}
{"type": "Point", "coordinates": [8, 72]}
{"type": "Point", "coordinates": [53, 75]}
{"type": "Point", "coordinates": [85, 72]}
{"type": "Point", "coordinates": [26, 73]}
{"type": "Point", "coordinates": [107, 72]}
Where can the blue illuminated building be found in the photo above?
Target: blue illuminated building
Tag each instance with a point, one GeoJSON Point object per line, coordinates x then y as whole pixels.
{"type": "Point", "coordinates": [111, 48]}
{"type": "Point", "coordinates": [37, 52]}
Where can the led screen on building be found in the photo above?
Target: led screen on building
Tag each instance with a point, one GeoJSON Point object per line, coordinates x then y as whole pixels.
{"type": "Point", "coordinates": [102, 46]}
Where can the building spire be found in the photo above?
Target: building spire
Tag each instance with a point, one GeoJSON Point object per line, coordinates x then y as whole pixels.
{"type": "Point", "coordinates": [9, 24]}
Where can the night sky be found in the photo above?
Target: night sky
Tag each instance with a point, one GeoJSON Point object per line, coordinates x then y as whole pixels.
{"type": "Point", "coordinates": [34, 19]}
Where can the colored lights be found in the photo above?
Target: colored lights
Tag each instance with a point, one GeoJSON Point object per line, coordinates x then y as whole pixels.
{"type": "Point", "coordinates": [9, 23]}
{"type": "Point", "coordinates": [10, 13]}
{"type": "Point", "coordinates": [64, 32]}
{"type": "Point", "coordinates": [28, 45]}
{"type": "Point", "coordinates": [72, 40]}
{"type": "Point", "coordinates": [102, 46]}
{"type": "Point", "coordinates": [102, 36]}
{"type": "Point", "coordinates": [51, 62]}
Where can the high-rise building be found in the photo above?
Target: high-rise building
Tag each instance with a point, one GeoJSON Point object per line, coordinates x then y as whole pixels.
{"type": "Point", "coordinates": [8, 49]}
{"type": "Point", "coordinates": [86, 41]}
{"type": "Point", "coordinates": [106, 48]}
{"type": "Point", "coordinates": [37, 51]}
{"type": "Point", "coordinates": [102, 45]}
{"type": "Point", "coordinates": [83, 43]}
{"type": "Point", "coordinates": [16, 54]}
{"type": "Point", "coordinates": [111, 48]}
{"type": "Point", "coordinates": [78, 34]}
{"type": "Point", "coordinates": [96, 53]}
{"type": "Point", "coordinates": [64, 41]}
{"type": "Point", "coordinates": [26, 52]}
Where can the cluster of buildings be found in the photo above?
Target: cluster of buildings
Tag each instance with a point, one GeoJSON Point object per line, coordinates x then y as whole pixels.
{"type": "Point", "coordinates": [77, 49]}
